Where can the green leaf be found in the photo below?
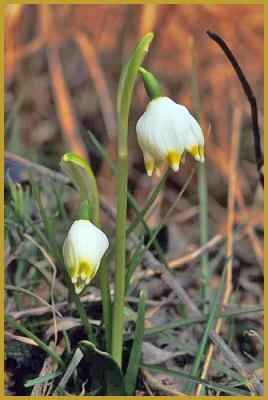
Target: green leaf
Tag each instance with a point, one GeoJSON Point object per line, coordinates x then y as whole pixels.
{"type": "Point", "coordinates": [127, 78]}
{"type": "Point", "coordinates": [135, 355]}
{"type": "Point", "coordinates": [105, 367]}
{"type": "Point", "coordinates": [42, 379]}
{"type": "Point", "coordinates": [81, 175]}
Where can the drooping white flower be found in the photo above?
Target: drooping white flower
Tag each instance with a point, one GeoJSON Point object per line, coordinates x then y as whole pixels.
{"type": "Point", "coordinates": [165, 132]}
{"type": "Point", "coordinates": [83, 250]}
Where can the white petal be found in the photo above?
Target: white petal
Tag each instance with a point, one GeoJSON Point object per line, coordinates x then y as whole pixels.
{"type": "Point", "coordinates": [156, 129]}
{"type": "Point", "coordinates": [89, 241]}
{"type": "Point", "coordinates": [197, 131]}
{"type": "Point", "coordinates": [82, 250]}
{"type": "Point", "coordinates": [149, 163]}
{"type": "Point", "coordinates": [165, 131]}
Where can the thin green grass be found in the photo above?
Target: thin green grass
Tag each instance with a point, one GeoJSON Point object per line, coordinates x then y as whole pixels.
{"type": "Point", "coordinates": [203, 342]}
{"type": "Point", "coordinates": [36, 339]}
{"type": "Point", "coordinates": [180, 374]}
{"type": "Point", "coordinates": [198, 319]}
{"type": "Point", "coordinates": [42, 379]}
{"type": "Point", "coordinates": [181, 345]}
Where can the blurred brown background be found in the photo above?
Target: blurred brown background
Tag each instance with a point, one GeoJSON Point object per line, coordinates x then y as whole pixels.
{"type": "Point", "coordinates": [62, 66]}
{"type": "Point", "coordinates": [63, 62]}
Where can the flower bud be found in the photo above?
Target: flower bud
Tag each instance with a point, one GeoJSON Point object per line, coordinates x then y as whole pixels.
{"type": "Point", "coordinates": [83, 250]}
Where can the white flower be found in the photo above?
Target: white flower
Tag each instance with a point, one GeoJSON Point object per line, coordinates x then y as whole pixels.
{"type": "Point", "coordinates": [82, 251]}
{"type": "Point", "coordinates": [165, 132]}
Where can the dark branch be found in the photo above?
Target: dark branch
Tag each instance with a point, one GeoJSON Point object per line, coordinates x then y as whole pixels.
{"type": "Point", "coordinates": [251, 99]}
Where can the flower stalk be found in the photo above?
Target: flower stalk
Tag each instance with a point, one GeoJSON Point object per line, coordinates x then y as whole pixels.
{"type": "Point", "coordinates": [125, 90]}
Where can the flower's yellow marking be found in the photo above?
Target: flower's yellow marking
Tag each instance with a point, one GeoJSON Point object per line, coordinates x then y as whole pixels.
{"type": "Point", "coordinates": [173, 158]}
{"type": "Point", "coordinates": [84, 270]}
{"type": "Point", "coordinates": [73, 274]}
{"type": "Point", "coordinates": [157, 166]}
{"type": "Point", "coordinates": [149, 166]}
{"type": "Point", "coordinates": [194, 151]}
{"type": "Point", "coordinates": [201, 152]}
{"type": "Point", "coordinates": [157, 172]}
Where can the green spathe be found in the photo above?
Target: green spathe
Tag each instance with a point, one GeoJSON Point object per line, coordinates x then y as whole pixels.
{"type": "Point", "coordinates": [151, 85]}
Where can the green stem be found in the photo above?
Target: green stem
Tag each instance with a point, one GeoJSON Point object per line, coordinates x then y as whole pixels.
{"type": "Point", "coordinates": [106, 302]}
{"type": "Point", "coordinates": [124, 96]}
{"type": "Point", "coordinates": [119, 290]}
{"type": "Point", "coordinates": [105, 289]}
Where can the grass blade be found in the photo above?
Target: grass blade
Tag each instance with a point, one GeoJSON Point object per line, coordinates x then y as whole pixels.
{"type": "Point", "coordinates": [203, 343]}
{"type": "Point", "coordinates": [197, 319]}
{"type": "Point", "coordinates": [205, 382]}
{"type": "Point", "coordinates": [134, 262]}
{"type": "Point", "coordinates": [166, 216]}
{"type": "Point", "coordinates": [40, 343]}
{"type": "Point", "coordinates": [60, 204]}
{"type": "Point", "coordinates": [181, 345]}
{"type": "Point", "coordinates": [134, 360]}
{"type": "Point", "coordinates": [148, 204]}
{"type": "Point", "coordinates": [42, 379]}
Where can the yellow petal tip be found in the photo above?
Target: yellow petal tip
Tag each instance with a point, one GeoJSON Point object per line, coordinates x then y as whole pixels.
{"type": "Point", "coordinates": [201, 152]}
{"type": "Point", "coordinates": [149, 167]}
{"type": "Point", "coordinates": [194, 151]}
{"type": "Point", "coordinates": [173, 158]}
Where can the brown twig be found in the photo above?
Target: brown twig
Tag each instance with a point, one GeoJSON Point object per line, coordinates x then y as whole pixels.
{"type": "Point", "coordinates": [217, 239]}
{"type": "Point", "coordinates": [251, 98]}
